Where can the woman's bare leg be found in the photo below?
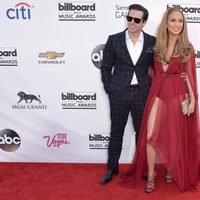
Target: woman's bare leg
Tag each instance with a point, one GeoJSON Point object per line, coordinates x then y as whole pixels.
{"type": "Point", "coordinates": [151, 153]}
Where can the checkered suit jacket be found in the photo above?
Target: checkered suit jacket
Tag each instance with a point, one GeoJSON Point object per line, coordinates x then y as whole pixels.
{"type": "Point", "coordinates": [117, 67]}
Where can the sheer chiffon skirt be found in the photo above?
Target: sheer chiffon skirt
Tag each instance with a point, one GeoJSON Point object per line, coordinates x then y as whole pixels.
{"type": "Point", "coordinates": [173, 137]}
{"type": "Point", "coordinates": [174, 147]}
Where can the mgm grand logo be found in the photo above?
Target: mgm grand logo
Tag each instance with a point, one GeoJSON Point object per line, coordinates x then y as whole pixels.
{"type": "Point", "coordinates": [28, 101]}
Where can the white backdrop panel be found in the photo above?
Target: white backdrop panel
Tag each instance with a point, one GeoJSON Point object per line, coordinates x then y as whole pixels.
{"type": "Point", "coordinates": [49, 133]}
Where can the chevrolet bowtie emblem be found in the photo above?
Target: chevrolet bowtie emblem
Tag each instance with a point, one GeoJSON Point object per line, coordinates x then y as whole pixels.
{"type": "Point", "coordinates": [51, 55]}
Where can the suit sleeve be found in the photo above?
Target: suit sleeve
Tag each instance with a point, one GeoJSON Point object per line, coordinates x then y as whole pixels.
{"type": "Point", "coordinates": [154, 42]}
{"type": "Point", "coordinates": [107, 64]}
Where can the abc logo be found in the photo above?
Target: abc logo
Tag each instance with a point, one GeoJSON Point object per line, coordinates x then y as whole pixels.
{"type": "Point", "coordinates": [9, 140]}
{"type": "Point", "coordinates": [97, 55]}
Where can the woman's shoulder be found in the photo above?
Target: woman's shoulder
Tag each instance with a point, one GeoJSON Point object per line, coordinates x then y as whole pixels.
{"type": "Point", "coordinates": [191, 50]}
{"type": "Point", "coordinates": [191, 46]}
{"type": "Point", "coordinates": [156, 60]}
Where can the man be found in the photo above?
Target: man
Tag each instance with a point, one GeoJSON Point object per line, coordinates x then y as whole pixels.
{"type": "Point", "coordinates": [127, 58]}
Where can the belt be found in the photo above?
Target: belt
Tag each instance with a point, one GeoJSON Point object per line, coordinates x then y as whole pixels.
{"type": "Point", "coordinates": [171, 75]}
{"type": "Point", "coordinates": [133, 86]}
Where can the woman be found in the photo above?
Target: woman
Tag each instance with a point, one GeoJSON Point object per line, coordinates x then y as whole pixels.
{"type": "Point", "coordinates": [166, 134]}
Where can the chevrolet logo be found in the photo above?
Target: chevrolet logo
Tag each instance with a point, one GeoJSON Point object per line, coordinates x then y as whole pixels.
{"type": "Point", "coordinates": [51, 55]}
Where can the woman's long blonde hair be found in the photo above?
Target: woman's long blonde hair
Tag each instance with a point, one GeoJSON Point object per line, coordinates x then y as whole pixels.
{"type": "Point", "coordinates": [182, 47]}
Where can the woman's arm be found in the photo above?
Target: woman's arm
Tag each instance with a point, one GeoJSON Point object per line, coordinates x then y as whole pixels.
{"type": "Point", "coordinates": [192, 97]}
{"type": "Point", "coordinates": [191, 81]}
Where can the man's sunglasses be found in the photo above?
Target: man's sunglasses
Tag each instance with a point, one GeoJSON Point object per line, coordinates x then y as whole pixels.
{"type": "Point", "coordinates": [136, 20]}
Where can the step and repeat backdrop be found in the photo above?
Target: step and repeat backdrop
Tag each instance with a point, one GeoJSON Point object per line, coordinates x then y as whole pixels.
{"type": "Point", "coordinates": [53, 106]}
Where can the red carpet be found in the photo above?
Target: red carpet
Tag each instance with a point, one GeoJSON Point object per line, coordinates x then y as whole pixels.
{"type": "Point", "coordinates": [36, 181]}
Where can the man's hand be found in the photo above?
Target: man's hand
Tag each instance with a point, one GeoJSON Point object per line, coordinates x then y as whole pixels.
{"type": "Point", "coordinates": [151, 72]}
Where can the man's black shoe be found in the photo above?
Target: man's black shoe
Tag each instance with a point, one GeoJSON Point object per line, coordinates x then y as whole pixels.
{"type": "Point", "coordinates": [108, 176]}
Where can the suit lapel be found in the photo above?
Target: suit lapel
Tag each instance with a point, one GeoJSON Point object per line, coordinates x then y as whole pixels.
{"type": "Point", "coordinates": [125, 49]}
{"type": "Point", "coordinates": [145, 46]}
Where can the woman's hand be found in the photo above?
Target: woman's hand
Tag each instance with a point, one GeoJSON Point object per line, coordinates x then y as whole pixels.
{"type": "Point", "coordinates": [183, 75]}
{"type": "Point", "coordinates": [191, 108]}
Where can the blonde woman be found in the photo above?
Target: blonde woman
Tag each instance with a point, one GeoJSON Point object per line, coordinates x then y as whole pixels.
{"type": "Point", "coordinates": [167, 134]}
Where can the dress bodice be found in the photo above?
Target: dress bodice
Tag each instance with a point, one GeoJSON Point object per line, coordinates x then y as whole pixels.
{"type": "Point", "coordinates": [175, 66]}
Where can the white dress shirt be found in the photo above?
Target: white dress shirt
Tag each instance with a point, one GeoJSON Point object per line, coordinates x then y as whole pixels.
{"type": "Point", "coordinates": [135, 50]}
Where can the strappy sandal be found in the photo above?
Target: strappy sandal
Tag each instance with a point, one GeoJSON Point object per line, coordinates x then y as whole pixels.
{"type": "Point", "coordinates": [150, 186]}
{"type": "Point", "coordinates": [168, 177]}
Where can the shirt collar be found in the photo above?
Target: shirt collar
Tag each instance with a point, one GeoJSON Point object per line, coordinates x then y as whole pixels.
{"type": "Point", "coordinates": [140, 39]}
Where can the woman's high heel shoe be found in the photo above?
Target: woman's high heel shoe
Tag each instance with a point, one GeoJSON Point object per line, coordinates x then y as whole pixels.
{"type": "Point", "coordinates": [150, 186]}
{"type": "Point", "coordinates": [168, 177]}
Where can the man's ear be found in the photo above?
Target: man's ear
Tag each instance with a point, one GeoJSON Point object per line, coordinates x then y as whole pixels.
{"type": "Point", "coordinates": [144, 23]}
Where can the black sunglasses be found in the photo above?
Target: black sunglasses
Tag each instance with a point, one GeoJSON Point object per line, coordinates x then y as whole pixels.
{"type": "Point", "coordinates": [136, 20]}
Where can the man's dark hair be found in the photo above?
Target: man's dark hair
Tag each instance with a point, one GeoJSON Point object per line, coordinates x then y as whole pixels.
{"type": "Point", "coordinates": [139, 8]}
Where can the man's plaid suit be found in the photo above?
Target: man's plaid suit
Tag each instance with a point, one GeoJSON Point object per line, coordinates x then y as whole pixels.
{"type": "Point", "coordinates": [117, 71]}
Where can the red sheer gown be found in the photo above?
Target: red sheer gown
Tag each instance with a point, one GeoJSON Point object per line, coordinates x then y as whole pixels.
{"type": "Point", "coordinates": [175, 137]}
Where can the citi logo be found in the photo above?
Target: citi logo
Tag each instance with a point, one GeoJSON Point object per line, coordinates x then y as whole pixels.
{"type": "Point", "coordinates": [8, 53]}
{"type": "Point", "coordinates": [185, 9]}
{"type": "Point", "coordinates": [9, 140]}
{"type": "Point", "coordinates": [20, 11]}
{"type": "Point", "coordinates": [73, 96]}
{"type": "Point", "coordinates": [98, 137]}
{"type": "Point", "coordinates": [73, 7]}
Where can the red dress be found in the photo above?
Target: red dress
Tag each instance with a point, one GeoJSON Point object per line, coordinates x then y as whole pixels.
{"type": "Point", "coordinates": [175, 137]}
